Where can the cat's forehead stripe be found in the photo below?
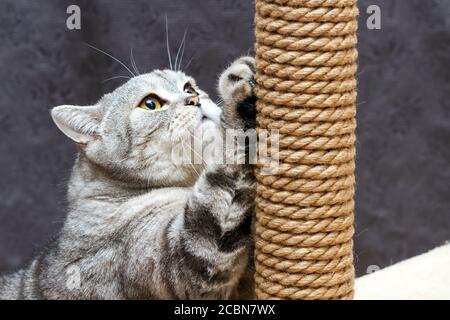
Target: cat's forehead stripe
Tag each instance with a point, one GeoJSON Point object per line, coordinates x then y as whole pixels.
{"type": "Point", "coordinates": [163, 75]}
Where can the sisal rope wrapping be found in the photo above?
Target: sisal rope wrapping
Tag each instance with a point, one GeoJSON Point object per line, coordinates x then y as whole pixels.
{"type": "Point", "coordinates": [306, 89]}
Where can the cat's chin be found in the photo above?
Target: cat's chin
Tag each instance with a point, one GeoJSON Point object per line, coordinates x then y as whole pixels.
{"type": "Point", "coordinates": [206, 128]}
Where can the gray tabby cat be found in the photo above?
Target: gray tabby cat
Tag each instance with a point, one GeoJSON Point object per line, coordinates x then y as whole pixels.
{"type": "Point", "coordinates": [139, 225]}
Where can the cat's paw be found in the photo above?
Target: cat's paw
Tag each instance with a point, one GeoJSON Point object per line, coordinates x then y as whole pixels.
{"type": "Point", "coordinates": [236, 85]}
{"type": "Point", "coordinates": [237, 82]}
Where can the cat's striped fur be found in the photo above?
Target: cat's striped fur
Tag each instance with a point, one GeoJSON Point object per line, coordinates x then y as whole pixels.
{"type": "Point", "coordinates": [138, 227]}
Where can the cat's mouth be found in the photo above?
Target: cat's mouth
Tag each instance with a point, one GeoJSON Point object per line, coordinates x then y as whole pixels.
{"type": "Point", "coordinates": [202, 118]}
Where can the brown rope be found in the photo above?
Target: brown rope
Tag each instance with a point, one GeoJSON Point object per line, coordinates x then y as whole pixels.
{"type": "Point", "coordinates": [306, 89]}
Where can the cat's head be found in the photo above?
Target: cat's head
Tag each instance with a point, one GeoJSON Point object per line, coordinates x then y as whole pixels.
{"type": "Point", "coordinates": [133, 132]}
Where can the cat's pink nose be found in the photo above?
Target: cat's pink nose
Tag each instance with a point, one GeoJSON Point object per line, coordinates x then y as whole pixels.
{"type": "Point", "coordinates": [193, 101]}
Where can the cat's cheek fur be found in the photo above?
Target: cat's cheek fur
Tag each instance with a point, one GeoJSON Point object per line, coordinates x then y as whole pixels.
{"type": "Point", "coordinates": [182, 124]}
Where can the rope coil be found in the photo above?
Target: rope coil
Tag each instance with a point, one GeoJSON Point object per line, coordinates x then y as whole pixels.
{"type": "Point", "coordinates": [306, 89]}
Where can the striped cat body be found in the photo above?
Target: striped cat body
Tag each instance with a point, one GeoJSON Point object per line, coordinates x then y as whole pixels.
{"type": "Point", "coordinates": [139, 224]}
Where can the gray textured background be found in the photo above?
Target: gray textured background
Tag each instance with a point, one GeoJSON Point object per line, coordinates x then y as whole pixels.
{"type": "Point", "coordinates": [403, 170]}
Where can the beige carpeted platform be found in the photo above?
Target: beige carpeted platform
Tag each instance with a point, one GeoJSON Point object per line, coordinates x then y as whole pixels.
{"type": "Point", "coordinates": [426, 276]}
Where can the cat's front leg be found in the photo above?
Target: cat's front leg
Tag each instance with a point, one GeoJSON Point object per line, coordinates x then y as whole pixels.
{"type": "Point", "coordinates": [236, 87]}
{"type": "Point", "coordinates": [208, 245]}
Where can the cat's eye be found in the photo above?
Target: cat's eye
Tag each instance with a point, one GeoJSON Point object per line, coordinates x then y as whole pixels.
{"type": "Point", "coordinates": [188, 88]}
{"type": "Point", "coordinates": [151, 102]}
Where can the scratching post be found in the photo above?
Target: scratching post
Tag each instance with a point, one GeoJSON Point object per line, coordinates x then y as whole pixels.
{"type": "Point", "coordinates": [306, 88]}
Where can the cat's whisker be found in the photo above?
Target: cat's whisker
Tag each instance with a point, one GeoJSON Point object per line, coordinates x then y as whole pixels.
{"type": "Point", "coordinates": [193, 149]}
{"type": "Point", "coordinates": [189, 62]}
{"type": "Point", "coordinates": [133, 62]}
{"type": "Point", "coordinates": [220, 102]}
{"type": "Point", "coordinates": [182, 55]}
{"type": "Point", "coordinates": [201, 158]}
{"type": "Point", "coordinates": [180, 49]}
{"type": "Point", "coordinates": [192, 165]}
{"type": "Point", "coordinates": [117, 77]}
{"type": "Point", "coordinates": [112, 57]}
{"type": "Point", "coordinates": [167, 44]}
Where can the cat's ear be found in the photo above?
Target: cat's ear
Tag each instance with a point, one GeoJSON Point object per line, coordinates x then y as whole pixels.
{"type": "Point", "coordinates": [81, 124]}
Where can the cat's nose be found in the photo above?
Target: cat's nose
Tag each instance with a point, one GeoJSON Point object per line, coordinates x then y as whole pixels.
{"type": "Point", "coordinates": [193, 101]}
